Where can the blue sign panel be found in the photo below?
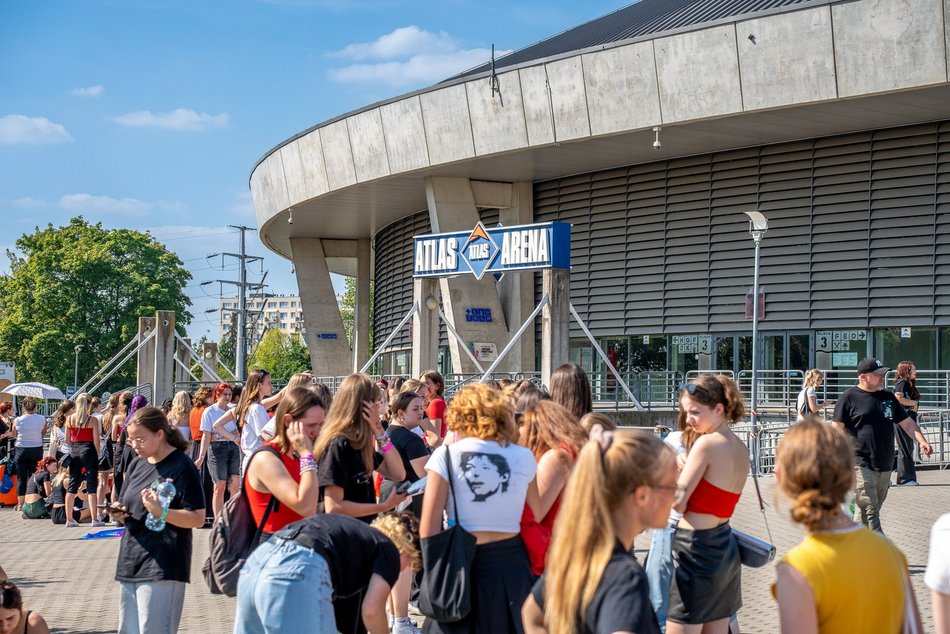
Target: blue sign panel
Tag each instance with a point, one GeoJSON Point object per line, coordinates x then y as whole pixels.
{"type": "Point", "coordinates": [478, 314]}
{"type": "Point", "coordinates": [326, 335]}
{"type": "Point", "coordinates": [496, 250]}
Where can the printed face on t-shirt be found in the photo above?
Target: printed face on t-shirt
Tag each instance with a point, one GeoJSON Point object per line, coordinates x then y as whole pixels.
{"type": "Point", "coordinates": [485, 474]}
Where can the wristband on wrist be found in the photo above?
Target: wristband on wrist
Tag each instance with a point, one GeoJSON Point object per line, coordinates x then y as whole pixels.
{"type": "Point", "coordinates": [163, 515]}
{"type": "Point", "coordinates": [307, 463]}
{"type": "Point", "coordinates": [386, 448]}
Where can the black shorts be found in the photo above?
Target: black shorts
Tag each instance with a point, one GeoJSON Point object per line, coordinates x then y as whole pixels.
{"type": "Point", "coordinates": [224, 460]}
{"type": "Point", "coordinates": [58, 513]}
{"type": "Point", "coordinates": [83, 457]}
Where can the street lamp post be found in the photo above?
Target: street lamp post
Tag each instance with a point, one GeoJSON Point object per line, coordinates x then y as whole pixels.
{"type": "Point", "coordinates": [758, 225]}
{"type": "Point", "coordinates": [76, 367]}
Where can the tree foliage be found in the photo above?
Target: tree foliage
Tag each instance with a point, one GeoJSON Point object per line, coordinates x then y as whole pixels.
{"type": "Point", "coordinates": [281, 354]}
{"type": "Point", "coordinates": [82, 284]}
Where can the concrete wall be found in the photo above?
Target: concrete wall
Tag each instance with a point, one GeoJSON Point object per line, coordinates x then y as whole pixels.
{"type": "Point", "coordinates": [789, 58]}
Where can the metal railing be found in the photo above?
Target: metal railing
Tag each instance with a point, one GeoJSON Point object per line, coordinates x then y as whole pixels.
{"type": "Point", "coordinates": [777, 388]}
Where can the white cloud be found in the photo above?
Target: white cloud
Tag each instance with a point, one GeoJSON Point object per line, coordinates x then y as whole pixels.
{"type": "Point", "coordinates": [18, 129]}
{"type": "Point", "coordinates": [408, 56]}
{"type": "Point", "coordinates": [91, 91]}
{"type": "Point", "coordinates": [242, 206]}
{"type": "Point", "coordinates": [403, 42]}
{"type": "Point", "coordinates": [105, 204]}
{"type": "Point", "coordinates": [179, 119]}
{"type": "Point", "coordinates": [28, 203]}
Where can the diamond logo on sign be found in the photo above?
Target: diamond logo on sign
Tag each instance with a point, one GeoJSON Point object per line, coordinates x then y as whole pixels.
{"type": "Point", "coordinates": [479, 250]}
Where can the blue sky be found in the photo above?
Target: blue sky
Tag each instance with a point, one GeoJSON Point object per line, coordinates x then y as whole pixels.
{"type": "Point", "coordinates": [150, 114]}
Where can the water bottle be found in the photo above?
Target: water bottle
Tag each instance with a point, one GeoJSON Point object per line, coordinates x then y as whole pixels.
{"type": "Point", "coordinates": [165, 490]}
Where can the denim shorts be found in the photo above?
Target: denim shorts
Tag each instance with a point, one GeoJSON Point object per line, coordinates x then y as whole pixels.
{"type": "Point", "coordinates": [224, 460]}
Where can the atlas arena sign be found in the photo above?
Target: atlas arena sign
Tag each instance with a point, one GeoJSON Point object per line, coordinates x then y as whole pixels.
{"type": "Point", "coordinates": [496, 250]}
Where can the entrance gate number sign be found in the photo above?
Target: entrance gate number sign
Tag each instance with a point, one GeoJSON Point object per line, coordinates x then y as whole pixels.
{"type": "Point", "coordinates": [518, 248]}
{"type": "Point", "coordinates": [838, 340]}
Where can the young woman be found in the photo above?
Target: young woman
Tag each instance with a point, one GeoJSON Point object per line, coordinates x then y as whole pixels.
{"type": "Point", "coordinates": [623, 483]}
{"type": "Point", "coordinates": [179, 416]}
{"type": "Point", "coordinates": [28, 430]}
{"type": "Point", "coordinates": [706, 588]}
{"type": "Point", "coordinates": [492, 478]}
{"type": "Point", "coordinates": [83, 431]}
{"type": "Point", "coordinates": [570, 387]}
{"type": "Point", "coordinates": [300, 379]}
{"type": "Point", "coordinates": [807, 402]}
{"type": "Point", "coordinates": [426, 430]}
{"type": "Point", "coordinates": [326, 573]}
{"type": "Point", "coordinates": [204, 396]}
{"type": "Point", "coordinates": [13, 618]}
{"type": "Point", "coordinates": [58, 441]}
{"type": "Point", "coordinates": [81, 513]}
{"type": "Point", "coordinates": [407, 414]}
{"type": "Point", "coordinates": [435, 388]}
{"type": "Point", "coordinates": [154, 565]}
{"type": "Point", "coordinates": [224, 461]}
{"type": "Point", "coordinates": [38, 488]}
{"type": "Point", "coordinates": [905, 389]}
{"type": "Point", "coordinates": [249, 414]}
{"type": "Point", "coordinates": [842, 577]}
{"type": "Point", "coordinates": [346, 455]}
{"type": "Point", "coordinates": [119, 456]}
{"type": "Point", "coordinates": [291, 477]}
{"type": "Point", "coordinates": [105, 453]}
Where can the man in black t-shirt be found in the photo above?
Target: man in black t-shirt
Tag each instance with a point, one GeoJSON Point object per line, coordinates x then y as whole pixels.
{"type": "Point", "coordinates": [868, 412]}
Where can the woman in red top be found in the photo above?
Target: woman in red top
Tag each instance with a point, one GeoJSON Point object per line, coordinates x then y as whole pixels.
{"type": "Point", "coordinates": [435, 388]}
{"type": "Point", "coordinates": [83, 431]}
{"type": "Point", "coordinates": [292, 477]}
{"type": "Point", "coordinates": [554, 437]}
{"type": "Point", "coordinates": [706, 586]}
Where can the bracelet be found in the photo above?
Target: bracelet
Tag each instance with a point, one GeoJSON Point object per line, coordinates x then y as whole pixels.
{"type": "Point", "coordinates": [162, 516]}
{"type": "Point", "coordinates": [387, 447]}
{"type": "Point", "coordinates": [307, 463]}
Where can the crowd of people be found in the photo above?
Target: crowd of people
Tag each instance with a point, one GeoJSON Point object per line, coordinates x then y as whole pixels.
{"type": "Point", "coordinates": [364, 497]}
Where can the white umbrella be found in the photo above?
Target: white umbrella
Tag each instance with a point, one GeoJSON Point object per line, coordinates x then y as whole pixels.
{"type": "Point", "coordinates": [36, 390]}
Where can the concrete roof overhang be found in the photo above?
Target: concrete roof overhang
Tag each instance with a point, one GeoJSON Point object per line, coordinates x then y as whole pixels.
{"type": "Point", "coordinates": [795, 74]}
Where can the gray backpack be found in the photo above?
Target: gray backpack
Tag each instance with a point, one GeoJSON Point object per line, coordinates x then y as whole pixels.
{"type": "Point", "coordinates": [234, 536]}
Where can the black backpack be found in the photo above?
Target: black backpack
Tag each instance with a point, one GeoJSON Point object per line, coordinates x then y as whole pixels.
{"type": "Point", "coordinates": [234, 536]}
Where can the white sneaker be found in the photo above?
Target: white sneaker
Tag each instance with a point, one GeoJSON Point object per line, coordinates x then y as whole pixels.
{"type": "Point", "coordinates": [909, 483]}
{"type": "Point", "coordinates": [72, 524]}
{"type": "Point", "coordinates": [405, 627]}
{"type": "Point", "coordinates": [98, 523]}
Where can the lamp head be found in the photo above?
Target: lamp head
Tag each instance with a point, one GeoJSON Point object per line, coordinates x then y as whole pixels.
{"type": "Point", "coordinates": [757, 222]}
{"type": "Point", "coordinates": [431, 302]}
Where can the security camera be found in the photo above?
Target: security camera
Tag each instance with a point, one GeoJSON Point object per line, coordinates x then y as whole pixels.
{"type": "Point", "coordinates": [656, 139]}
{"type": "Point", "coordinates": [657, 145]}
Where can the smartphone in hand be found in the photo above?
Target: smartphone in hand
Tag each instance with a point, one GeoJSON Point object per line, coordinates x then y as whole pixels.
{"type": "Point", "coordinates": [403, 487]}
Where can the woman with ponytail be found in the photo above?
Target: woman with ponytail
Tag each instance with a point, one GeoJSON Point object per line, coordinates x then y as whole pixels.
{"type": "Point", "coordinates": [842, 577]}
{"type": "Point", "coordinates": [623, 483]}
{"type": "Point", "coordinates": [706, 588]}
{"type": "Point", "coordinates": [83, 431]}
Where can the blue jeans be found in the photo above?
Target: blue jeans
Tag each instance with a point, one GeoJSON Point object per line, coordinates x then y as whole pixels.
{"type": "Point", "coordinates": [659, 571]}
{"type": "Point", "coordinates": [284, 587]}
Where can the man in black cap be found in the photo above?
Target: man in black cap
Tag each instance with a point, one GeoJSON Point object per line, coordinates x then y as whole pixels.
{"type": "Point", "coordinates": [867, 412]}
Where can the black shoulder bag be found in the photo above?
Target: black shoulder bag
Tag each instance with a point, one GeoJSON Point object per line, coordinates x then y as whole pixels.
{"type": "Point", "coordinates": [446, 590]}
{"type": "Point", "coordinates": [754, 552]}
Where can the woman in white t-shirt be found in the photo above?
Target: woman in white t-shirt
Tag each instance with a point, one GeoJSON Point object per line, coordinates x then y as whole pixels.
{"type": "Point", "coordinates": [808, 399]}
{"type": "Point", "coordinates": [249, 414]}
{"type": "Point", "coordinates": [937, 576]}
{"type": "Point", "coordinates": [28, 430]}
{"type": "Point", "coordinates": [491, 478]}
{"type": "Point", "coordinates": [222, 452]}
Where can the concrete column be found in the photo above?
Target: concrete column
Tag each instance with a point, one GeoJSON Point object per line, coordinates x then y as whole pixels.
{"type": "Point", "coordinates": [163, 386]}
{"type": "Point", "coordinates": [209, 354]}
{"type": "Point", "coordinates": [425, 325]}
{"type": "Point", "coordinates": [330, 353]}
{"type": "Point", "coordinates": [516, 290]}
{"type": "Point", "coordinates": [555, 321]}
{"type": "Point", "coordinates": [361, 327]}
{"type": "Point", "coordinates": [182, 354]}
{"type": "Point", "coordinates": [145, 363]}
{"type": "Point", "coordinates": [452, 208]}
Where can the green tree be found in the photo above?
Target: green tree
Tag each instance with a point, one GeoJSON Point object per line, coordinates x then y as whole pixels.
{"type": "Point", "coordinates": [281, 354]}
{"type": "Point", "coordinates": [82, 284]}
{"type": "Point", "coordinates": [348, 309]}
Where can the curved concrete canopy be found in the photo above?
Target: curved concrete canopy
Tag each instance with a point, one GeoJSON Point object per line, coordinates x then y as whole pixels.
{"type": "Point", "coordinates": [794, 74]}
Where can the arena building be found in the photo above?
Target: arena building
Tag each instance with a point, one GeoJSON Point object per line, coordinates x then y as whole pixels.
{"type": "Point", "coordinates": [650, 130]}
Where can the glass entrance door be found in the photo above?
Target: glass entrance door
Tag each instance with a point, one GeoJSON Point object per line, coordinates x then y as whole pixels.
{"type": "Point", "coordinates": [733, 353]}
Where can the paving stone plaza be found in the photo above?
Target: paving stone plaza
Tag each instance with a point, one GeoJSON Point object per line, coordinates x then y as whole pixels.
{"type": "Point", "coordinates": [41, 558]}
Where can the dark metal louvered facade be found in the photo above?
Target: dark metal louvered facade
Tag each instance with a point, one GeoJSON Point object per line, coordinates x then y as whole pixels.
{"type": "Point", "coordinates": [859, 236]}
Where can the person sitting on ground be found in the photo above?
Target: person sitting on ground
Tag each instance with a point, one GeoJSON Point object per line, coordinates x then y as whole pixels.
{"type": "Point", "coordinates": [623, 483]}
{"type": "Point", "coordinates": [291, 477]}
{"type": "Point", "coordinates": [326, 573]}
{"type": "Point", "coordinates": [14, 619]}
{"type": "Point", "coordinates": [38, 488]}
{"type": "Point", "coordinates": [346, 456]}
{"type": "Point", "coordinates": [817, 581]}
{"type": "Point", "coordinates": [81, 513]}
